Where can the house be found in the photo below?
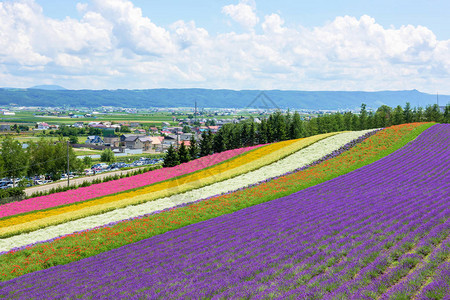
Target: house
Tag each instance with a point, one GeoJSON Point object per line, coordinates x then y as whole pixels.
{"type": "Point", "coordinates": [153, 129]}
{"type": "Point", "coordinates": [169, 140]}
{"type": "Point", "coordinates": [8, 113]}
{"type": "Point", "coordinates": [146, 143]}
{"type": "Point", "coordinates": [156, 143]}
{"type": "Point", "coordinates": [97, 125]}
{"type": "Point", "coordinates": [53, 127]}
{"type": "Point", "coordinates": [138, 142]}
{"type": "Point", "coordinates": [78, 125]}
{"type": "Point", "coordinates": [112, 141]}
{"type": "Point", "coordinates": [94, 140]}
{"type": "Point", "coordinates": [140, 131]}
{"type": "Point", "coordinates": [115, 126]}
{"type": "Point", "coordinates": [186, 136]}
{"type": "Point", "coordinates": [126, 135]}
{"type": "Point", "coordinates": [42, 126]}
{"type": "Point", "coordinates": [5, 127]}
{"type": "Point", "coordinates": [134, 125]}
{"type": "Point", "coordinates": [132, 142]}
{"type": "Point", "coordinates": [186, 143]}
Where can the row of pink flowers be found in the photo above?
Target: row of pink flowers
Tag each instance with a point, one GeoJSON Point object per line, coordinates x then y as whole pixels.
{"type": "Point", "coordinates": [115, 186]}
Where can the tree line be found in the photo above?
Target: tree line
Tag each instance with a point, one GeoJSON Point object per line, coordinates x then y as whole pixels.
{"type": "Point", "coordinates": [41, 157]}
{"type": "Point", "coordinates": [51, 157]}
{"type": "Point", "coordinates": [279, 127]}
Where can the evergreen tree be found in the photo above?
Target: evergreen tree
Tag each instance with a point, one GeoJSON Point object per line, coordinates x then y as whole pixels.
{"type": "Point", "coordinates": [262, 132]}
{"type": "Point", "coordinates": [219, 144]}
{"type": "Point", "coordinates": [339, 121]}
{"type": "Point", "coordinates": [296, 129]}
{"type": "Point", "coordinates": [348, 120]}
{"type": "Point", "coordinates": [193, 148]}
{"type": "Point", "coordinates": [311, 127]}
{"type": "Point", "coordinates": [227, 134]}
{"type": "Point", "coordinates": [235, 140]}
{"type": "Point", "coordinates": [320, 125]}
{"type": "Point", "coordinates": [252, 134]}
{"type": "Point", "coordinates": [244, 135]}
{"type": "Point", "coordinates": [363, 117]}
{"type": "Point", "coordinates": [355, 122]}
{"type": "Point", "coordinates": [370, 120]}
{"type": "Point", "coordinates": [206, 143]}
{"type": "Point", "coordinates": [432, 113]}
{"type": "Point", "coordinates": [210, 141]}
{"type": "Point", "coordinates": [280, 127]}
{"type": "Point", "coordinates": [171, 159]}
{"type": "Point", "coordinates": [397, 115]}
{"type": "Point", "coordinates": [183, 153]}
{"type": "Point", "coordinates": [446, 117]}
{"type": "Point", "coordinates": [407, 113]}
{"type": "Point", "coordinates": [418, 115]}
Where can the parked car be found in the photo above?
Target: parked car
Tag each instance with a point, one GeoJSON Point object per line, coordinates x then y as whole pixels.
{"type": "Point", "coordinates": [40, 181]}
{"type": "Point", "coordinates": [100, 166]}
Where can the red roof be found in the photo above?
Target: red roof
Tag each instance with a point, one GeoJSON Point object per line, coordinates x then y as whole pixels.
{"type": "Point", "coordinates": [186, 143]}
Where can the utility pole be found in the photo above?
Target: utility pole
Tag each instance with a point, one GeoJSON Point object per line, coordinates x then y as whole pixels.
{"type": "Point", "coordinates": [68, 176]}
{"type": "Point", "coordinates": [195, 112]}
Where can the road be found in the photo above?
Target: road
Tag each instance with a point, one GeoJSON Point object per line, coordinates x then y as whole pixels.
{"type": "Point", "coordinates": [75, 181]}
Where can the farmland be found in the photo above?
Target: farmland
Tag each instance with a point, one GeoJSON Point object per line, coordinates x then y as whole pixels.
{"type": "Point", "coordinates": [367, 218]}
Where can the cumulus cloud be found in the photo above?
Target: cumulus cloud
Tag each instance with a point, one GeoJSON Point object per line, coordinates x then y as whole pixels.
{"type": "Point", "coordinates": [243, 13]}
{"type": "Point", "coordinates": [113, 45]}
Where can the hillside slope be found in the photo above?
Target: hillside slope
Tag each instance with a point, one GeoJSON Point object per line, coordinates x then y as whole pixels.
{"type": "Point", "coordinates": [379, 231]}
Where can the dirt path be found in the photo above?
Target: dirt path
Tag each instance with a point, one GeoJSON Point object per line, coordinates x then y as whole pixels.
{"type": "Point", "coordinates": [75, 181]}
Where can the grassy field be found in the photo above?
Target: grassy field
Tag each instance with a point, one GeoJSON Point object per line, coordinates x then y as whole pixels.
{"type": "Point", "coordinates": [86, 151]}
{"type": "Point", "coordinates": [30, 118]}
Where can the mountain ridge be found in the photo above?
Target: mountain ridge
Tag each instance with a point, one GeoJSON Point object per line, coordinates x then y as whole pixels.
{"type": "Point", "coordinates": [216, 98]}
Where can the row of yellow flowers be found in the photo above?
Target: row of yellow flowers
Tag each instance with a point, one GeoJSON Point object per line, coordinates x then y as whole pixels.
{"type": "Point", "coordinates": [240, 165]}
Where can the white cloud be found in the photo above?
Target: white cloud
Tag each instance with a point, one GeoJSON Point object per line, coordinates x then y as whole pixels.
{"type": "Point", "coordinates": [113, 45]}
{"type": "Point", "coordinates": [243, 13]}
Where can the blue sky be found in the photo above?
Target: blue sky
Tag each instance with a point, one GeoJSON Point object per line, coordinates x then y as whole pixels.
{"type": "Point", "coordinates": [434, 14]}
{"type": "Point", "coordinates": [239, 44]}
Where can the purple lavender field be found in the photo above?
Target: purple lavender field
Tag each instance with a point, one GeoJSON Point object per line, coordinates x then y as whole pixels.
{"type": "Point", "coordinates": [380, 232]}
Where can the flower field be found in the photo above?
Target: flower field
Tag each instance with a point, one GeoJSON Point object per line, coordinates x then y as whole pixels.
{"type": "Point", "coordinates": [120, 185]}
{"type": "Point", "coordinates": [380, 231]}
{"type": "Point", "coordinates": [74, 247]}
{"type": "Point", "coordinates": [296, 160]}
{"type": "Point", "coordinates": [242, 164]}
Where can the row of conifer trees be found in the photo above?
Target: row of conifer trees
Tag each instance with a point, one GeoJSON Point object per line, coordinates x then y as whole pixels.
{"type": "Point", "coordinates": [279, 127]}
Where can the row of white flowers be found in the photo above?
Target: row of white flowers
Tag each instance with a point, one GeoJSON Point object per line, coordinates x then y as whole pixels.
{"type": "Point", "coordinates": [290, 163]}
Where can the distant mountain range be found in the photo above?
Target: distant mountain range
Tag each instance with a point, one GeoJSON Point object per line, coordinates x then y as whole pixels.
{"type": "Point", "coordinates": [56, 96]}
{"type": "Point", "coordinates": [48, 87]}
